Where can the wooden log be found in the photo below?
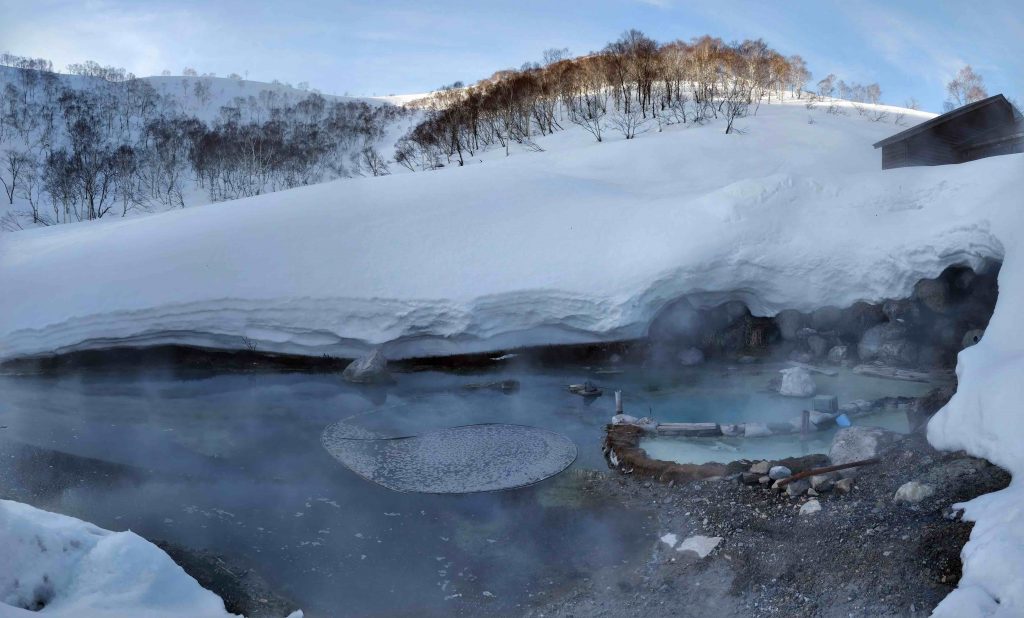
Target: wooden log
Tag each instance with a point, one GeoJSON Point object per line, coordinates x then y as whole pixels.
{"type": "Point", "coordinates": [822, 370]}
{"type": "Point", "coordinates": [893, 373]}
{"type": "Point", "coordinates": [692, 430]}
{"type": "Point", "coordinates": [826, 470]}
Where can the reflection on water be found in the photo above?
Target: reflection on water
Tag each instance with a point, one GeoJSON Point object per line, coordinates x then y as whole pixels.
{"type": "Point", "coordinates": [233, 464]}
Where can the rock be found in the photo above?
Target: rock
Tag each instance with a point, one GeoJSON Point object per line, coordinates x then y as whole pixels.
{"type": "Point", "coordinates": [844, 486]}
{"type": "Point", "coordinates": [797, 488]}
{"type": "Point", "coordinates": [800, 357]}
{"type": "Point", "coordinates": [370, 369]}
{"type": "Point", "coordinates": [765, 480]}
{"type": "Point", "coordinates": [901, 311]}
{"type": "Point", "coordinates": [858, 318]}
{"type": "Point", "coordinates": [700, 544]}
{"type": "Point", "coordinates": [913, 492]}
{"type": "Point", "coordinates": [810, 507]}
{"type": "Point", "coordinates": [823, 482]}
{"type": "Point", "coordinates": [779, 472]}
{"type": "Point", "coordinates": [857, 443]}
{"type": "Point", "coordinates": [971, 337]}
{"type": "Point", "coordinates": [761, 467]}
{"type": "Point", "coordinates": [933, 293]}
{"type": "Point", "coordinates": [826, 318]}
{"type": "Point", "coordinates": [825, 403]}
{"type": "Point", "coordinates": [888, 343]}
{"type": "Point", "coordinates": [690, 357]}
{"type": "Point", "coordinates": [750, 478]}
{"type": "Point", "coordinates": [811, 492]}
{"type": "Point", "coordinates": [805, 332]}
{"type": "Point", "coordinates": [789, 321]}
{"type": "Point", "coordinates": [756, 430]}
{"type": "Point", "coordinates": [818, 345]}
{"type": "Point", "coordinates": [838, 354]}
{"type": "Point", "coordinates": [823, 419]}
{"type": "Point", "coordinates": [797, 382]}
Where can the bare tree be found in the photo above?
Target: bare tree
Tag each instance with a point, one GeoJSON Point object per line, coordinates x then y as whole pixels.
{"type": "Point", "coordinates": [966, 87]}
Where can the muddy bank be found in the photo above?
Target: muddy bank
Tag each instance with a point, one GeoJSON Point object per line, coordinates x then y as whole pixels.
{"type": "Point", "coordinates": [862, 554]}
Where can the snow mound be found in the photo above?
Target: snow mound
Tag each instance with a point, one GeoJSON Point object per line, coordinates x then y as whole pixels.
{"type": "Point", "coordinates": [457, 460]}
{"type": "Point", "coordinates": [66, 567]}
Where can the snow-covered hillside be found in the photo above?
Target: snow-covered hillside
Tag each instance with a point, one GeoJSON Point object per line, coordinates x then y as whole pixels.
{"type": "Point", "coordinates": [582, 242]}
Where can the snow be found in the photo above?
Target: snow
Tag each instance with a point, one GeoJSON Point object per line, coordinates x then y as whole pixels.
{"type": "Point", "coordinates": [983, 418]}
{"type": "Point", "coordinates": [582, 242]}
{"type": "Point", "coordinates": [73, 568]}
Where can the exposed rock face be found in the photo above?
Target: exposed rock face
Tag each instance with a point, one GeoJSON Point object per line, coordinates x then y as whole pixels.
{"type": "Point", "coordinates": [370, 369]}
{"type": "Point", "coordinates": [797, 382]}
{"type": "Point", "coordinates": [856, 443]}
{"type": "Point", "coordinates": [888, 343]}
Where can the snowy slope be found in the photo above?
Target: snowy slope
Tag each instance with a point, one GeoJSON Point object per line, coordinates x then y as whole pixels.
{"type": "Point", "coordinates": [75, 569]}
{"type": "Point", "coordinates": [583, 242]}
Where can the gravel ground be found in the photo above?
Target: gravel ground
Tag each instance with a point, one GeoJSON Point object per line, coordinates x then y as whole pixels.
{"type": "Point", "coordinates": [862, 555]}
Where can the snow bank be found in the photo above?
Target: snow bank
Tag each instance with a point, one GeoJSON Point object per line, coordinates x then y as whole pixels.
{"type": "Point", "coordinates": [67, 567]}
{"type": "Point", "coordinates": [584, 242]}
{"type": "Point", "coordinates": [984, 418]}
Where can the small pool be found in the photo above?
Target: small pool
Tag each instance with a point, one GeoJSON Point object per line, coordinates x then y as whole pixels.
{"type": "Point", "coordinates": [233, 464]}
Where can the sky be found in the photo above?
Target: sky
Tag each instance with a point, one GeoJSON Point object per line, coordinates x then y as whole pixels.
{"type": "Point", "coordinates": [911, 48]}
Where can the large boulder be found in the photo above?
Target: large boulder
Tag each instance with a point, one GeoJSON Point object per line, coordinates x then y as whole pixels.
{"type": "Point", "coordinates": [370, 369]}
{"type": "Point", "coordinates": [933, 293]}
{"type": "Point", "coordinates": [857, 318]}
{"type": "Point", "coordinates": [857, 443]}
{"type": "Point", "coordinates": [797, 382]}
{"type": "Point", "coordinates": [888, 343]}
{"type": "Point", "coordinates": [789, 321]}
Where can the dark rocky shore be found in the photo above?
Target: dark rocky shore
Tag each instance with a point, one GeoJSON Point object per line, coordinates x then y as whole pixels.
{"type": "Point", "coordinates": [862, 554]}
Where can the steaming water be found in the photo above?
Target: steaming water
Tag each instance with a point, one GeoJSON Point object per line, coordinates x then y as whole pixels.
{"type": "Point", "coordinates": [233, 464]}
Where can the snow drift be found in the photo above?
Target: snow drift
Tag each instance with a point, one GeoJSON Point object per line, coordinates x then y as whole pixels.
{"type": "Point", "coordinates": [66, 567]}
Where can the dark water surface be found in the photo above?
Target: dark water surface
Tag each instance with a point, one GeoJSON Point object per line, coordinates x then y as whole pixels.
{"type": "Point", "coordinates": [233, 464]}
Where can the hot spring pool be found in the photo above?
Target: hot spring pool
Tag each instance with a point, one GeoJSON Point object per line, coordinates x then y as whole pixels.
{"type": "Point", "coordinates": [233, 464]}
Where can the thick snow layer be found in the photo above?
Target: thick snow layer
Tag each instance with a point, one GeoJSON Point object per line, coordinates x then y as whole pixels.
{"type": "Point", "coordinates": [67, 567]}
{"type": "Point", "coordinates": [583, 242]}
{"type": "Point", "coordinates": [984, 418]}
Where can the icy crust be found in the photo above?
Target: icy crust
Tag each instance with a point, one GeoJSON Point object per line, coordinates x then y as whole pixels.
{"type": "Point", "coordinates": [66, 567]}
{"type": "Point", "coordinates": [456, 460]}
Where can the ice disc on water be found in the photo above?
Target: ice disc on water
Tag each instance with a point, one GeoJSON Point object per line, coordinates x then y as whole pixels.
{"type": "Point", "coordinates": [456, 460]}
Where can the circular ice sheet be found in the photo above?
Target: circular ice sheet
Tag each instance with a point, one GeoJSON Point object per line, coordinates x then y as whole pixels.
{"type": "Point", "coordinates": [456, 460]}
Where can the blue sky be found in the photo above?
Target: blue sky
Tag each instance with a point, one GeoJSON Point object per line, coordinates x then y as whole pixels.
{"type": "Point", "coordinates": [911, 48]}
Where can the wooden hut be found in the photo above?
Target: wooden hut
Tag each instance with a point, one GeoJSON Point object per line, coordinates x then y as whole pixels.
{"type": "Point", "coordinates": [977, 130]}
